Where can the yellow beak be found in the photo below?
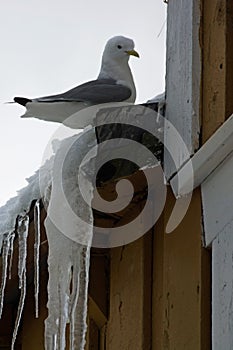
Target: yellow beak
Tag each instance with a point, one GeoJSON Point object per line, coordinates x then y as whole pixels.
{"type": "Point", "coordinates": [132, 53]}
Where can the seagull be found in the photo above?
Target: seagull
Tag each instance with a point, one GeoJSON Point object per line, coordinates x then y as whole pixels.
{"type": "Point", "coordinates": [114, 84]}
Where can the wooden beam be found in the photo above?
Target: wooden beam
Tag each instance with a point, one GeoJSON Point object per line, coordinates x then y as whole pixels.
{"type": "Point", "coordinates": [99, 280]}
{"type": "Point", "coordinates": [229, 57]}
{"type": "Point", "coordinates": [222, 307]}
{"type": "Point", "coordinates": [181, 289]}
{"type": "Point", "coordinates": [183, 79]}
{"type": "Point", "coordinates": [129, 325]}
{"type": "Point", "coordinates": [215, 65]}
{"type": "Point", "coordinates": [158, 296]}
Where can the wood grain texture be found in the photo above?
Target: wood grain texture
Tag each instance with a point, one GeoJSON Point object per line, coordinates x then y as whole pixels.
{"type": "Point", "coordinates": [181, 283]}
{"type": "Point", "coordinates": [222, 309]}
{"type": "Point", "coordinates": [129, 325]}
{"type": "Point", "coordinates": [183, 77]}
{"type": "Point", "coordinates": [217, 68]}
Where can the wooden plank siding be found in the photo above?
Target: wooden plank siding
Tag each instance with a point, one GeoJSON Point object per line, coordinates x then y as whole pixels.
{"type": "Point", "coordinates": [181, 283]}
{"type": "Point", "coordinates": [129, 325]}
{"type": "Point", "coordinates": [217, 70]}
{"type": "Point", "coordinates": [222, 292]}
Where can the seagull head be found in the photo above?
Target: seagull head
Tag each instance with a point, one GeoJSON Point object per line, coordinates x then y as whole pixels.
{"type": "Point", "coordinates": [119, 48]}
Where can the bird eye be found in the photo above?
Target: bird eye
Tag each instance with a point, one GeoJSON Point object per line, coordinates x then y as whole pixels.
{"type": "Point", "coordinates": [119, 46]}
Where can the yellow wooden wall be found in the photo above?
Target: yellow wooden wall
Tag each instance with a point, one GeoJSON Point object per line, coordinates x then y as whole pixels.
{"type": "Point", "coordinates": [181, 283]}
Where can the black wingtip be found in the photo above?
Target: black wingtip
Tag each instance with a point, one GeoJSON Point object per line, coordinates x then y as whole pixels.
{"type": "Point", "coordinates": [22, 100]}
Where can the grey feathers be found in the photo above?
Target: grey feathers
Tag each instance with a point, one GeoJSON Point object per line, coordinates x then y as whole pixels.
{"type": "Point", "coordinates": [95, 91]}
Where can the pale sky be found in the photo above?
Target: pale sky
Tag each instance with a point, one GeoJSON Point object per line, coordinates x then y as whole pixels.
{"type": "Point", "coordinates": [51, 46]}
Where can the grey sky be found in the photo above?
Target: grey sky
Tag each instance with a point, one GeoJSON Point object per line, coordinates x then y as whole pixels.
{"type": "Point", "coordinates": [50, 46]}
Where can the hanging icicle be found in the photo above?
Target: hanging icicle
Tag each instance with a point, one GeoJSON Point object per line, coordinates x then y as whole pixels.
{"type": "Point", "coordinates": [23, 226]}
{"type": "Point", "coordinates": [65, 305]}
{"type": "Point", "coordinates": [20, 309]}
{"type": "Point", "coordinates": [11, 251]}
{"type": "Point", "coordinates": [69, 228]}
{"type": "Point", "coordinates": [78, 311]}
{"type": "Point", "coordinates": [36, 255]}
{"type": "Point", "coordinates": [60, 272]}
{"type": "Point", "coordinates": [5, 252]}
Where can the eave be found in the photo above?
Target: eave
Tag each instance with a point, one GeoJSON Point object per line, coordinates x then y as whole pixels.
{"type": "Point", "coordinates": [205, 160]}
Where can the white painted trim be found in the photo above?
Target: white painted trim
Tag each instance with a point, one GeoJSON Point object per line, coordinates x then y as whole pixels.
{"type": "Point", "coordinates": [206, 160]}
{"type": "Point", "coordinates": [183, 81]}
{"type": "Point", "coordinates": [217, 200]}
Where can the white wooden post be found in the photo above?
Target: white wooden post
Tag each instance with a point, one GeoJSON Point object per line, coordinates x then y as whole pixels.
{"type": "Point", "coordinates": [183, 76]}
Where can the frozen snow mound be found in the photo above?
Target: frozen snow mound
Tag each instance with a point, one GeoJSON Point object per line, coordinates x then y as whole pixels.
{"type": "Point", "coordinates": [66, 269]}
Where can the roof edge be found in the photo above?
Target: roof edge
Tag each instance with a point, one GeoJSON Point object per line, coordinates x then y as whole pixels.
{"type": "Point", "coordinates": [214, 151]}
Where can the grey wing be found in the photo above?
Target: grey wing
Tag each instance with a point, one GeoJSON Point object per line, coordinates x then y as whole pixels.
{"type": "Point", "coordinates": [95, 91]}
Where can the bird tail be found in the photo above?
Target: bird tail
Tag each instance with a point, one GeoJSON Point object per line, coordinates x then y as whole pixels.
{"type": "Point", "coordinates": [22, 100]}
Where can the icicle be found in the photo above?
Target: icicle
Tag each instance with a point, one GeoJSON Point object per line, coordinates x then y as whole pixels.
{"type": "Point", "coordinates": [11, 251]}
{"type": "Point", "coordinates": [5, 252]}
{"type": "Point", "coordinates": [23, 226]}
{"type": "Point", "coordinates": [64, 295]}
{"type": "Point", "coordinates": [36, 255]}
{"type": "Point", "coordinates": [74, 301]}
{"type": "Point", "coordinates": [78, 316]}
{"type": "Point", "coordinates": [59, 265]}
{"type": "Point", "coordinates": [20, 308]}
{"type": "Point", "coordinates": [67, 235]}
{"type": "Point", "coordinates": [1, 238]}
